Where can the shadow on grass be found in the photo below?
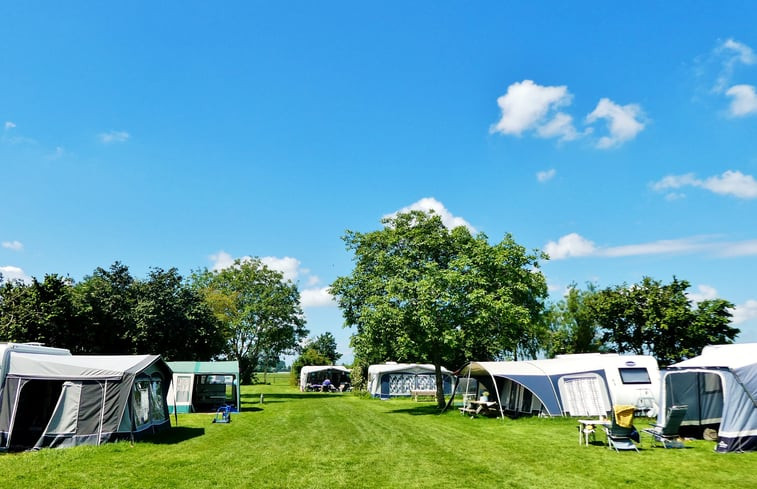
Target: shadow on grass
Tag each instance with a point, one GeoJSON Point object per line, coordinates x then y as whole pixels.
{"type": "Point", "coordinates": [277, 396]}
{"type": "Point", "coordinates": [418, 411]}
{"type": "Point", "coordinates": [176, 435]}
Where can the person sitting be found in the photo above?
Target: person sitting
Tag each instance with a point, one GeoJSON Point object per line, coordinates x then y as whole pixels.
{"type": "Point", "coordinates": [326, 385]}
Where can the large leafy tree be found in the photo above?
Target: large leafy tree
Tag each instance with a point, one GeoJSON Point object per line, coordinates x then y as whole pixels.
{"type": "Point", "coordinates": [41, 312]}
{"type": "Point", "coordinates": [107, 299]}
{"type": "Point", "coordinates": [173, 319]}
{"type": "Point", "coordinates": [572, 326]}
{"type": "Point", "coordinates": [424, 293]}
{"type": "Point", "coordinates": [658, 319]}
{"type": "Point", "coordinates": [325, 344]}
{"type": "Point", "coordinates": [259, 310]}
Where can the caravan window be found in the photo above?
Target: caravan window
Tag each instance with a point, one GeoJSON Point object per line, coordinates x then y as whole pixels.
{"type": "Point", "coordinates": [634, 376]}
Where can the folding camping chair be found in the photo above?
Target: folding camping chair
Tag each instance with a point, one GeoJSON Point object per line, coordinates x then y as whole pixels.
{"type": "Point", "coordinates": [667, 434]}
{"type": "Point", "coordinates": [621, 429]}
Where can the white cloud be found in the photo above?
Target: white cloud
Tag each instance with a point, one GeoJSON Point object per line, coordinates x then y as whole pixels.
{"type": "Point", "coordinates": [561, 126]}
{"type": "Point", "coordinates": [14, 273]}
{"type": "Point", "coordinates": [704, 293]}
{"type": "Point", "coordinates": [316, 297]}
{"type": "Point", "coordinates": [546, 175]}
{"type": "Point", "coordinates": [622, 122]}
{"type": "Point", "coordinates": [527, 106]}
{"type": "Point", "coordinates": [221, 260]}
{"type": "Point", "coordinates": [744, 100]}
{"type": "Point", "coordinates": [569, 245]}
{"type": "Point", "coordinates": [744, 312]}
{"type": "Point", "coordinates": [13, 245]}
{"type": "Point", "coordinates": [9, 125]}
{"type": "Point", "coordinates": [288, 266]}
{"type": "Point", "coordinates": [427, 204]}
{"type": "Point", "coordinates": [114, 137]}
{"type": "Point", "coordinates": [573, 245]}
{"type": "Point", "coordinates": [729, 183]}
{"type": "Point", "coordinates": [742, 248]}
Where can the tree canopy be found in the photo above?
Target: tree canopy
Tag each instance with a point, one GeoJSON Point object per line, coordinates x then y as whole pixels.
{"type": "Point", "coordinates": [645, 318]}
{"type": "Point", "coordinates": [111, 312]}
{"type": "Point", "coordinates": [421, 292]}
{"type": "Point", "coordinates": [259, 310]}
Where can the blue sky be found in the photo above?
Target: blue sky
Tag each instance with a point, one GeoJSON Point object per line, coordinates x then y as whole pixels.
{"type": "Point", "coordinates": [622, 140]}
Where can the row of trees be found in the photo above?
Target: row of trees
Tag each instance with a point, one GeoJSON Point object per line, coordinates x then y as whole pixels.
{"type": "Point", "coordinates": [421, 292]}
{"type": "Point", "coordinates": [246, 312]}
{"type": "Point", "coordinates": [645, 318]}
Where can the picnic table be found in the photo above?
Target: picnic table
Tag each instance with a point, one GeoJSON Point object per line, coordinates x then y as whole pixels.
{"type": "Point", "coordinates": [478, 408]}
{"type": "Point", "coordinates": [415, 394]}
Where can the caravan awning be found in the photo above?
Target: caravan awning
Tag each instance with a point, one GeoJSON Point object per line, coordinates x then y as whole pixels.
{"type": "Point", "coordinates": [78, 367]}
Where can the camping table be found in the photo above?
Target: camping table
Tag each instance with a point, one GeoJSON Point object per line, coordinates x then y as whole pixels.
{"type": "Point", "coordinates": [583, 432]}
{"type": "Point", "coordinates": [483, 407]}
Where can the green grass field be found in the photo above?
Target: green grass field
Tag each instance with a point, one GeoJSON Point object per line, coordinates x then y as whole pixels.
{"type": "Point", "coordinates": [313, 440]}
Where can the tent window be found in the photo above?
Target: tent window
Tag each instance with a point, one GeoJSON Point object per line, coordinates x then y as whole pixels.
{"type": "Point", "coordinates": [157, 407]}
{"type": "Point", "coordinates": [142, 401]}
{"type": "Point", "coordinates": [634, 376]}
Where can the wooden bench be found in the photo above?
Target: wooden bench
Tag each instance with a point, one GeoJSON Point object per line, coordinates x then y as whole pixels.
{"type": "Point", "coordinates": [415, 394]}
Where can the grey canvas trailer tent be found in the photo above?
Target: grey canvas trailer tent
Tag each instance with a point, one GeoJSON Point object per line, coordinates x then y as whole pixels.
{"type": "Point", "coordinates": [719, 388]}
{"type": "Point", "coordinates": [67, 400]}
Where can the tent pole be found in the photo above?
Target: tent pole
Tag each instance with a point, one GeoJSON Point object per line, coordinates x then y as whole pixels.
{"type": "Point", "coordinates": [102, 412]}
{"type": "Point", "coordinates": [499, 400]}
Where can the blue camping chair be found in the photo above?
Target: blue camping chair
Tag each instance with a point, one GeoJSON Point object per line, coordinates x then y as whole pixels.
{"type": "Point", "coordinates": [621, 430]}
{"type": "Point", "coordinates": [667, 434]}
{"type": "Point", "coordinates": [223, 415]}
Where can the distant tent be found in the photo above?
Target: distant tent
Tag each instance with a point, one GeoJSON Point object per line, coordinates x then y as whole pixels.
{"type": "Point", "coordinates": [720, 389]}
{"type": "Point", "coordinates": [316, 374]}
{"type": "Point", "coordinates": [203, 386]}
{"type": "Point", "coordinates": [572, 385]}
{"type": "Point", "coordinates": [398, 379]}
{"type": "Point", "coordinates": [60, 401]}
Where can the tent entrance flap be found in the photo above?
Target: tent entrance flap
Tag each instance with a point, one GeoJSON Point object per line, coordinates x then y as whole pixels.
{"type": "Point", "coordinates": [36, 404]}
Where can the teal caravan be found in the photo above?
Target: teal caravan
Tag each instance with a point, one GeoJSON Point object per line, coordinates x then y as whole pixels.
{"type": "Point", "coordinates": [204, 386]}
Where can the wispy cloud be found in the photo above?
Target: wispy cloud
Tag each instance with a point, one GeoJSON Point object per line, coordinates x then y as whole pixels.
{"type": "Point", "coordinates": [427, 204]}
{"type": "Point", "coordinates": [623, 122]}
{"type": "Point", "coordinates": [14, 273]}
{"type": "Point", "coordinates": [730, 182]}
{"type": "Point", "coordinates": [574, 245]}
{"type": "Point", "coordinates": [546, 175]}
{"type": "Point", "coordinates": [114, 137]}
{"type": "Point", "coordinates": [731, 53]}
{"type": "Point", "coordinates": [9, 125]}
{"type": "Point", "coordinates": [13, 245]}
